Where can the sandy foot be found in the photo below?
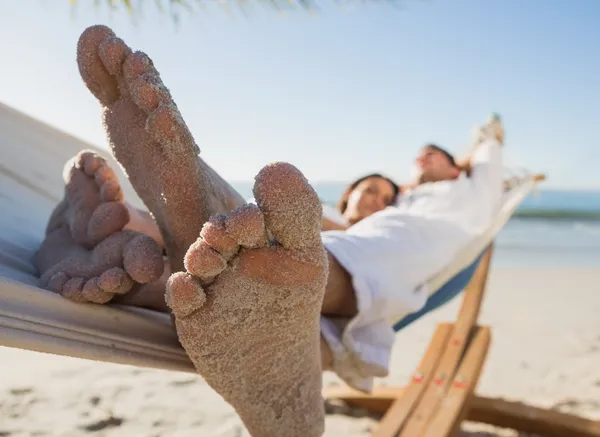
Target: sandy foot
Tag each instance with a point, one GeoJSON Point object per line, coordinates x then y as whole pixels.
{"type": "Point", "coordinates": [248, 313]}
{"type": "Point", "coordinates": [112, 267]}
{"type": "Point", "coordinates": [150, 140]}
{"type": "Point", "coordinates": [86, 256]}
{"type": "Point", "coordinates": [93, 205]}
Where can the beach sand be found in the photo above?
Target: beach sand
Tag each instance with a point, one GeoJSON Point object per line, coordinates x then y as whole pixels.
{"type": "Point", "coordinates": [545, 351]}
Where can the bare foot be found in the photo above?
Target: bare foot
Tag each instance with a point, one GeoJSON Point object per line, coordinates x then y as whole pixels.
{"type": "Point", "coordinates": [93, 205]}
{"type": "Point", "coordinates": [93, 215]}
{"type": "Point", "coordinates": [111, 268]}
{"type": "Point", "coordinates": [150, 140]}
{"type": "Point", "coordinates": [247, 310]}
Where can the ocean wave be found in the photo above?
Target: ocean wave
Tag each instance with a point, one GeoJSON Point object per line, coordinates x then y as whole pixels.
{"type": "Point", "coordinates": [554, 247]}
{"type": "Point", "coordinates": [557, 214]}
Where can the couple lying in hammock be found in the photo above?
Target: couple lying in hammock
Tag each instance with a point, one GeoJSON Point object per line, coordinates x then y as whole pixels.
{"type": "Point", "coordinates": [262, 298]}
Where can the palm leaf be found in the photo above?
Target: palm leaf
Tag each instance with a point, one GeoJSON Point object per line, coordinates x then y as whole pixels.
{"type": "Point", "coordinates": [174, 6]}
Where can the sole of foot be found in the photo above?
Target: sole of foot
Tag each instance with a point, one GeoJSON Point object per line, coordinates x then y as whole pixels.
{"type": "Point", "coordinates": [93, 206]}
{"type": "Point", "coordinates": [247, 308]}
{"type": "Point", "coordinates": [148, 138]}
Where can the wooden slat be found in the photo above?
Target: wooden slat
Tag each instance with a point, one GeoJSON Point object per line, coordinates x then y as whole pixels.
{"type": "Point", "coordinates": [529, 419]}
{"type": "Point", "coordinates": [497, 412]}
{"type": "Point", "coordinates": [469, 311]}
{"type": "Point", "coordinates": [402, 407]}
{"type": "Point", "coordinates": [453, 407]}
{"type": "Point", "coordinates": [376, 402]}
{"type": "Point", "coordinates": [436, 390]}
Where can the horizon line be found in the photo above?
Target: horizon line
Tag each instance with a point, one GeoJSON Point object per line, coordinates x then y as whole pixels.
{"type": "Point", "coordinates": [541, 187]}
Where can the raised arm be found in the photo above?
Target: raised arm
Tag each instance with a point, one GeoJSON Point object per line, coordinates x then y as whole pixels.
{"type": "Point", "coordinates": [484, 167]}
{"type": "Point", "coordinates": [487, 165]}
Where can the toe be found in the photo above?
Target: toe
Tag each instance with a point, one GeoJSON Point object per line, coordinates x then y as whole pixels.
{"type": "Point", "coordinates": [137, 64]}
{"type": "Point", "coordinates": [56, 282]}
{"type": "Point", "coordinates": [72, 290]}
{"type": "Point", "coordinates": [246, 225]}
{"type": "Point", "coordinates": [203, 261]}
{"type": "Point", "coordinates": [166, 126]}
{"type": "Point", "coordinates": [92, 70]}
{"type": "Point", "coordinates": [111, 191]}
{"type": "Point", "coordinates": [215, 235]}
{"type": "Point", "coordinates": [103, 174]}
{"type": "Point", "coordinates": [147, 91]}
{"type": "Point", "coordinates": [184, 294]}
{"type": "Point", "coordinates": [93, 293]}
{"type": "Point", "coordinates": [78, 160]}
{"type": "Point", "coordinates": [107, 218]}
{"type": "Point", "coordinates": [291, 207]}
{"type": "Point", "coordinates": [113, 51]}
{"type": "Point", "coordinates": [115, 281]}
{"type": "Point", "coordinates": [143, 259]}
{"type": "Point", "coordinates": [91, 163]}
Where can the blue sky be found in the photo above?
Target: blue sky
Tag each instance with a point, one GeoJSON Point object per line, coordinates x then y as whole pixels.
{"type": "Point", "coordinates": [341, 93]}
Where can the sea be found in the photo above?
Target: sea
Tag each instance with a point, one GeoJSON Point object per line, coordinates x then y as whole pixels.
{"type": "Point", "coordinates": [550, 229]}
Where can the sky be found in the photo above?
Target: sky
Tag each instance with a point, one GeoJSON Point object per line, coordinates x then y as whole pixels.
{"type": "Point", "coordinates": [350, 90]}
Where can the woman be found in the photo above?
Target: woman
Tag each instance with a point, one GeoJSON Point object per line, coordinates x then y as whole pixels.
{"type": "Point", "coordinates": [362, 198]}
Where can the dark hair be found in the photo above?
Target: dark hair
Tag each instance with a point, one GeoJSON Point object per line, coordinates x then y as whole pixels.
{"type": "Point", "coordinates": [343, 202]}
{"type": "Point", "coordinates": [444, 152]}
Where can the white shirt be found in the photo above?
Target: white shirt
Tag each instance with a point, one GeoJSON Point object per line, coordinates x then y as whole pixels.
{"type": "Point", "coordinates": [469, 202]}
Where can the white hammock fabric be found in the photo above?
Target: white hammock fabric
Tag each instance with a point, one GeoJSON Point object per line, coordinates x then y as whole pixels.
{"type": "Point", "coordinates": [32, 158]}
{"type": "Point", "coordinates": [510, 202]}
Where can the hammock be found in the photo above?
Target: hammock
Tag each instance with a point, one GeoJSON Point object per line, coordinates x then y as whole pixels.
{"type": "Point", "coordinates": [31, 164]}
{"type": "Point", "coordinates": [33, 155]}
{"type": "Point", "coordinates": [448, 283]}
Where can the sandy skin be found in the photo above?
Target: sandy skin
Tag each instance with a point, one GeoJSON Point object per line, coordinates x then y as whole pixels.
{"type": "Point", "coordinates": [93, 205]}
{"type": "Point", "coordinates": [147, 295]}
{"type": "Point", "coordinates": [150, 140]}
{"type": "Point", "coordinates": [255, 294]}
{"type": "Point", "coordinates": [247, 309]}
{"type": "Point", "coordinates": [86, 255]}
